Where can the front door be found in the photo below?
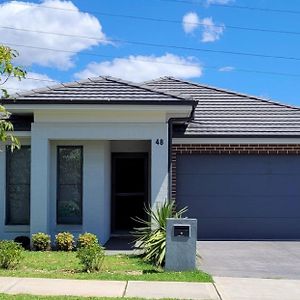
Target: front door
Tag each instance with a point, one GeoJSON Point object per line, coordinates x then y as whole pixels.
{"type": "Point", "coordinates": [129, 189]}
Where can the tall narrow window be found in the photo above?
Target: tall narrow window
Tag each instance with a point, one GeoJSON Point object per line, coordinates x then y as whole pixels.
{"type": "Point", "coordinates": [18, 186]}
{"type": "Point", "coordinates": [69, 184]}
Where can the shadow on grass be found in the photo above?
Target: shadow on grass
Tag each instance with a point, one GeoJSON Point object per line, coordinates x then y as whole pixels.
{"type": "Point", "coordinates": [151, 272]}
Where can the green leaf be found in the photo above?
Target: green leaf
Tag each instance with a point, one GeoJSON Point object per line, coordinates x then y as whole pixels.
{"type": "Point", "coordinates": [151, 236]}
{"type": "Point", "coordinates": [8, 69]}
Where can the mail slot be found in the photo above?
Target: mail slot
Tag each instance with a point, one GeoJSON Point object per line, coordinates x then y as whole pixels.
{"type": "Point", "coordinates": [182, 230]}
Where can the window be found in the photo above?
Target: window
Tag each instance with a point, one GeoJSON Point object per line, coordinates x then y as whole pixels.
{"type": "Point", "coordinates": [69, 184]}
{"type": "Point", "coordinates": [18, 186]}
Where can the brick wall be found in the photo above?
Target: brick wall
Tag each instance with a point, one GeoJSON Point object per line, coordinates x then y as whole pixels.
{"type": "Point", "coordinates": [229, 149]}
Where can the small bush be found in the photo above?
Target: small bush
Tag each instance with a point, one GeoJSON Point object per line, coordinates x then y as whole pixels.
{"type": "Point", "coordinates": [86, 240]}
{"type": "Point", "coordinates": [64, 241]}
{"type": "Point", "coordinates": [41, 241]}
{"type": "Point", "coordinates": [10, 254]}
{"type": "Point", "coordinates": [91, 257]}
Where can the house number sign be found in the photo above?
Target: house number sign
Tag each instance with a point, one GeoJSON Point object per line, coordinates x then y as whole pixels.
{"type": "Point", "coordinates": [159, 142]}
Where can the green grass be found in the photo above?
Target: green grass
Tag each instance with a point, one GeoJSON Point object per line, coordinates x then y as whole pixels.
{"type": "Point", "coordinates": [29, 297]}
{"type": "Point", "coordinates": [118, 267]}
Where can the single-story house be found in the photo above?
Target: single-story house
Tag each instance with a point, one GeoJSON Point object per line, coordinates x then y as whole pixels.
{"type": "Point", "coordinates": [94, 152]}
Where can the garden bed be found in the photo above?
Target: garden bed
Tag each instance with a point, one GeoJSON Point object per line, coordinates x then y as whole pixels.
{"type": "Point", "coordinates": [52, 264]}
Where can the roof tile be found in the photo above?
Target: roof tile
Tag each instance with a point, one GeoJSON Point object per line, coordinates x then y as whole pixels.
{"type": "Point", "coordinates": [220, 112]}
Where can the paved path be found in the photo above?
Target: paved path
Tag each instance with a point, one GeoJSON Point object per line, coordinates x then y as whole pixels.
{"type": "Point", "coordinates": [257, 259]}
{"type": "Point", "coordinates": [97, 288]}
{"type": "Point", "coordinates": [257, 289]}
{"type": "Point", "coordinates": [224, 288]}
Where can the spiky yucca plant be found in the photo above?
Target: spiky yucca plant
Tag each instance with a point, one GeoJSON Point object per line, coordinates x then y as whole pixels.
{"type": "Point", "coordinates": [151, 236]}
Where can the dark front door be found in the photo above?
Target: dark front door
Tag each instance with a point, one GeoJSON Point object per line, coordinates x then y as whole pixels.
{"type": "Point", "coordinates": [129, 189]}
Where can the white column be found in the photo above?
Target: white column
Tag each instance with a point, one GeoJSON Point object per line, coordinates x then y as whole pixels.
{"type": "Point", "coordinates": [39, 191]}
{"type": "Point", "coordinates": [159, 168]}
{"type": "Point", "coordinates": [96, 189]}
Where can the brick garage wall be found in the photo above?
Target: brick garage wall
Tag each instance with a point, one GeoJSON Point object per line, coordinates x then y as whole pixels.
{"type": "Point", "coordinates": [229, 149]}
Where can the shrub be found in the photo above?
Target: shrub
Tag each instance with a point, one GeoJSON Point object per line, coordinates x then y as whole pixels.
{"type": "Point", "coordinates": [151, 236]}
{"type": "Point", "coordinates": [91, 257]}
{"type": "Point", "coordinates": [86, 240]}
{"type": "Point", "coordinates": [64, 241]}
{"type": "Point", "coordinates": [10, 254]}
{"type": "Point", "coordinates": [41, 241]}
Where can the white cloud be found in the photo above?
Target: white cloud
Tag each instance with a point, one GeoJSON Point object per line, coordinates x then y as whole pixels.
{"type": "Point", "coordinates": [33, 81]}
{"type": "Point", "coordinates": [190, 22]}
{"type": "Point", "coordinates": [226, 69]}
{"type": "Point", "coordinates": [210, 31]}
{"type": "Point", "coordinates": [140, 68]}
{"type": "Point", "coordinates": [28, 15]}
{"type": "Point", "coordinates": [218, 1]}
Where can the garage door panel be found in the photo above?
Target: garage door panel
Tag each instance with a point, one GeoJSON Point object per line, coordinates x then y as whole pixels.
{"type": "Point", "coordinates": [254, 207]}
{"type": "Point", "coordinates": [221, 164]}
{"type": "Point", "coordinates": [238, 184]}
{"type": "Point", "coordinates": [241, 196]}
{"type": "Point", "coordinates": [243, 229]}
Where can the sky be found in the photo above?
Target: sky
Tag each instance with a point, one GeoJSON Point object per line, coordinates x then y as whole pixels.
{"type": "Point", "coordinates": [248, 46]}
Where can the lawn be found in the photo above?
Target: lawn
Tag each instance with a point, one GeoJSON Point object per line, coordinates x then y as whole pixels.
{"type": "Point", "coordinates": [29, 297]}
{"type": "Point", "coordinates": [54, 264]}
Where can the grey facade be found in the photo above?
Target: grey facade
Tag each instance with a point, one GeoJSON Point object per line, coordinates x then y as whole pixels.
{"type": "Point", "coordinates": [233, 159]}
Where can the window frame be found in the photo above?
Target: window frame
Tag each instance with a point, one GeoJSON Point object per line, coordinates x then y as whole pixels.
{"type": "Point", "coordinates": [58, 184]}
{"type": "Point", "coordinates": [8, 154]}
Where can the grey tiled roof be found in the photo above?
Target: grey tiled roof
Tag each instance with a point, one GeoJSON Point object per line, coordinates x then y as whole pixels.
{"type": "Point", "coordinates": [99, 90]}
{"type": "Point", "coordinates": [222, 113]}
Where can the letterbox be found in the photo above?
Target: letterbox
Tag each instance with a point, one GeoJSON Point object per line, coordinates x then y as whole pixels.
{"type": "Point", "coordinates": [181, 244]}
{"type": "Point", "coordinates": [181, 230]}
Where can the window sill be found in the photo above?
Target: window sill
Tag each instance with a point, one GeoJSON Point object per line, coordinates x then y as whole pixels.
{"type": "Point", "coordinates": [17, 228]}
{"type": "Point", "coordinates": [68, 227]}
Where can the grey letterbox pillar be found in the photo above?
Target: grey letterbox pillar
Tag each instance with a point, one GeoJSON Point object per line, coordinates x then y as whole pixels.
{"type": "Point", "coordinates": [181, 244]}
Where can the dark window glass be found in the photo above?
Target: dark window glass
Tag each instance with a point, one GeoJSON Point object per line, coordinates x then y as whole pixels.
{"type": "Point", "coordinates": [18, 186]}
{"type": "Point", "coordinates": [69, 184]}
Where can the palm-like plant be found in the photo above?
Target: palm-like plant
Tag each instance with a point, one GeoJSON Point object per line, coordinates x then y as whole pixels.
{"type": "Point", "coordinates": [151, 236]}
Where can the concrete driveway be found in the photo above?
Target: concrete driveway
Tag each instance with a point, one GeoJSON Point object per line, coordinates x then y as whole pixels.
{"type": "Point", "coordinates": [257, 259]}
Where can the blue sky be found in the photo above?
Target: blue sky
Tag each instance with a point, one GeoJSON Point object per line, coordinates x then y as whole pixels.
{"type": "Point", "coordinates": [198, 24]}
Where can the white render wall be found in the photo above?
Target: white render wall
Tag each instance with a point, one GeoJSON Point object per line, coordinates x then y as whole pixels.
{"type": "Point", "coordinates": [96, 189]}
{"type": "Point", "coordinates": [132, 129]}
{"type": "Point", "coordinates": [95, 138]}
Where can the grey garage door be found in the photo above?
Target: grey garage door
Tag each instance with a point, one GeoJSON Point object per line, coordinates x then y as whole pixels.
{"type": "Point", "coordinates": [241, 196]}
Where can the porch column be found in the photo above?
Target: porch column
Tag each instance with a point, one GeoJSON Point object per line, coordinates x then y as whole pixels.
{"type": "Point", "coordinates": [39, 191]}
{"type": "Point", "coordinates": [159, 170]}
{"type": "Point", "coordinates": [96, 189]}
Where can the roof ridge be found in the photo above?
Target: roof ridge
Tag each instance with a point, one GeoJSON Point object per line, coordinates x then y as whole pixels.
{"type": "Point", "coordinates": [156, 79]}
{"type": "Point", "coordinates": [229, 91]}
{"type": "Point", "coordinates": [141, 86]}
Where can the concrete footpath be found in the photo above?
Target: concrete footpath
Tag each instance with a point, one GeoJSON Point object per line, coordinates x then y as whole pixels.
{"type": "Point", "coordinates": [224, 288]}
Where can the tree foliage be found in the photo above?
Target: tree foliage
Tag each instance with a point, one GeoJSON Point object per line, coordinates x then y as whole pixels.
{"type": "Point", "coordinates": [7, 70]}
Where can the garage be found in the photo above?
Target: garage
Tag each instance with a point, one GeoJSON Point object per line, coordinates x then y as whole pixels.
{"type": "Point", "coordinates": [241, 197]}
